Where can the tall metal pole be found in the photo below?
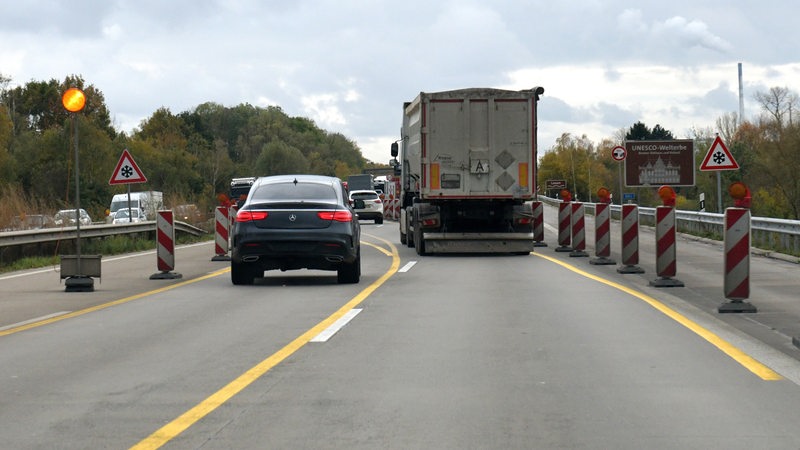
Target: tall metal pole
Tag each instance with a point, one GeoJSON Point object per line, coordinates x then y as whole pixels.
{"type": "Point", "coordinates": [74, 100]}
{"type": "Point", "coordinates": [77, 201]}
{"type": "Point", "coordinates": [741, 97]}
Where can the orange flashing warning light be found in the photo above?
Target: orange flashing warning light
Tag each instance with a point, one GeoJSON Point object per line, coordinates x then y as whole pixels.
{"type": "Point", "coordinates": [667, 195]}
{"type": "Point", "coordinates": [566, 195]}
{"type": "Point", "coordinates": [741, 194]}
{"type": "Point", "coordinates": [73, 100]}
{"type": "Point", "coordinates": [604, 195]}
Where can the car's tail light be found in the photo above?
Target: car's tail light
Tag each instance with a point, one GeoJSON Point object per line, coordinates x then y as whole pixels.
{"type": "Point", "coordinates": [339, 216]}
{"type": "Point", "coordinates": [378, 201]}
{"type": "Point", "coordinates": [249, 216]}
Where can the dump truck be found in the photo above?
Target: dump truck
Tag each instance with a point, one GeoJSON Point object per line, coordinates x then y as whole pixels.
{"type": "Point", "coordinates": [468, 171]}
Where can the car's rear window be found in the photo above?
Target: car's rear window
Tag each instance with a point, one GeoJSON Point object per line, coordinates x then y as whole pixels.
{"type": "Point", "coordinates": [280, 192]}
{"type": "Point", "coordinates": [364, 195]}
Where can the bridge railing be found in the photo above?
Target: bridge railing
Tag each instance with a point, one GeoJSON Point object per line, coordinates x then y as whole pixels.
{"type": "Point", "coordinates": [778, 235]}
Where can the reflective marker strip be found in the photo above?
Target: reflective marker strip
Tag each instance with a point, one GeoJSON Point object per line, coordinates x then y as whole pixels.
{"type": "Point", "coordinates": [408, 266]}
{"type": "Point", "coordinates": [336, 326]}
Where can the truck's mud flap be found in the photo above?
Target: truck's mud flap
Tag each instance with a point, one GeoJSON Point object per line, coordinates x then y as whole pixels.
{"type": "Point", "coordinates": [479, 242]}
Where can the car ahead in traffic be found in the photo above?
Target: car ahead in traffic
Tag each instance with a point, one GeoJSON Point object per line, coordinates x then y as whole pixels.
{"type": "Point", "coordinates": [122, 216]}
{"type": "Point", "coordinates": [66, 217]}
{"type": "Point", "coordinates": [291, 222]}
{"type": "Point", "coordinates": [368, 205]}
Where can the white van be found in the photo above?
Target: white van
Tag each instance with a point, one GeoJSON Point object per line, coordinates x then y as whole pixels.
{"type": "Point", "coordinates": [147, 201]}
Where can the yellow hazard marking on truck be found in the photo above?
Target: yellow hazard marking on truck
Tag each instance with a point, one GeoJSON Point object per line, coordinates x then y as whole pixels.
{"type": "Point", "coordinates": [747, 361]}
{"type": "Point", "coordinates": [523, 174]}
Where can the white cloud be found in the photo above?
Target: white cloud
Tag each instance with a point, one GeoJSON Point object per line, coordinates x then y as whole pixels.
{"type": "Point", "coordinates": [323, 109]}
{"type": "Point", "coordinates": [690, 34]}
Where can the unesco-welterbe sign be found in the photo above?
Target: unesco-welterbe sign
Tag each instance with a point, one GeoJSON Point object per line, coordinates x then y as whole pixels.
{"type": "Point", "coordinates": [658, 163]}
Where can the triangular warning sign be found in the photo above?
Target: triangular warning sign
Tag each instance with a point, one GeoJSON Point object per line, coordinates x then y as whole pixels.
{"type": "Point", "coordinates": [718, 157]}
{"type": "Point", "coordinates": [127, 171]}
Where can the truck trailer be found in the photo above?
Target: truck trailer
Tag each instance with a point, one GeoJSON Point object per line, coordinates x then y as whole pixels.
{"type": "Point", "coordinates": [468, 171]}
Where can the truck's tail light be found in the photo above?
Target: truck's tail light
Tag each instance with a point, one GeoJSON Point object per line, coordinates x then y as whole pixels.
{"type": "Point", "coordinates": [250, 216]}
{"type": "Point", "coordinates": [524, 220]}
{"type": "Point", "coordinates": [430, 223]}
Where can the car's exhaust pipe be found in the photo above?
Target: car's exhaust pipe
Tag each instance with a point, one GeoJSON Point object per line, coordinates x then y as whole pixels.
{"type": "Point", "coordinates": [252, 258]}
{"type": "Point", "coordinates": [334, 258]}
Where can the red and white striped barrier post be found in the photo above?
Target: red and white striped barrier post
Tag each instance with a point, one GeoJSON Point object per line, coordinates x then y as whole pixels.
{"type": "Point", "coordinates": [578, 231]}
{"type": "Point", "coordinates": [537, 208]}
{"type": "Point", "coordinates": [602, 235]}
{"type": "Point", "coordinates": [666, 264]}
{"type": "Point", "coordinates": [165, 246]}
{"type": "Point", "coordinates": [564, 225]}
{"type": "Point", "coordinates": [630, 240]}
{"type": "Point", "coordinates": [221, 230]}
{"type": "Point", "coordinates": [737, 256]}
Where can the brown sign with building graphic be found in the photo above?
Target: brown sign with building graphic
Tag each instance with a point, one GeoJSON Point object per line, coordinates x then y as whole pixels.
{"type": "Point", "coordinates": [658, 163]}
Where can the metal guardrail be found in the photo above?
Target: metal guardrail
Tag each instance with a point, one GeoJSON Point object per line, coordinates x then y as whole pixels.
{"type": "Point", "coordinates": [25, 237]}
{"type": "Point", "coordinates": [779, 235]}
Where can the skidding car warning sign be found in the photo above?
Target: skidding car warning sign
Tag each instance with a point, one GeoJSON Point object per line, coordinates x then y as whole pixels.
{"type": "Point", "coordinates": [127, 171]}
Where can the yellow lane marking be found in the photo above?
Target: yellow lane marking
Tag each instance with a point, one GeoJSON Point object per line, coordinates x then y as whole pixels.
{"type": "Point", "coordinates": [377, 247]}
{"type": "Point", "coordinates": [747, 361]}
{"type": "Point", "coordinates": [205, 407]}
{"type": "Point", "coordinates": [110, 304]}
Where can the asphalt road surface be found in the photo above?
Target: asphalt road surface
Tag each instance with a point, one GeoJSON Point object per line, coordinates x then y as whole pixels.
{"type": "Point", "coordinates": [537, 351]}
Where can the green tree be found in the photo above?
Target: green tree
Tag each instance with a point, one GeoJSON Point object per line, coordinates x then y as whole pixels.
{"type": "Point", "coordinates": [279, 158]}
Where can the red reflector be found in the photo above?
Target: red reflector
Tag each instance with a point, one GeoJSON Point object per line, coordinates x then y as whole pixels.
{"type": "Point", "coordinates": [430, 222]}
{"type": "Point", "coordinates": [249, 216]}
{"type": "Point", "coordinates": [524, 220]}
{"type": "Point", "coordinates": [339, 216]}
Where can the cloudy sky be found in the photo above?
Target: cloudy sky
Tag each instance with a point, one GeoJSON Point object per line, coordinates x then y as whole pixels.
{"type": "Point", "coordinates": [350, 64]}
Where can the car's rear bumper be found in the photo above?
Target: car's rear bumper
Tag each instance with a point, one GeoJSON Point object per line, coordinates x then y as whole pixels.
{"type": "Point", "coordinates": [297, 251]}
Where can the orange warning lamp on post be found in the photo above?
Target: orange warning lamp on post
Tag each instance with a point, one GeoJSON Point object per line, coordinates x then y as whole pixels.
{"type": "Point", "coordinates": [566, 195]}
{"type": "Point", "coordinates": [73, 100]}
{"type": "Point", "coordinates": [604, 195]}
{"type": "Point", "coordinates": [741, 194]}
{"type": "Point", "coordinates": [667, 195]}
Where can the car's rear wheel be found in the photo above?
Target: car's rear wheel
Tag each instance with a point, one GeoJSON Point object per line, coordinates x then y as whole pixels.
{"type": "Point", "coordinates": [242, 274]}
{"type": "Point", "coordinates": [350, 273]}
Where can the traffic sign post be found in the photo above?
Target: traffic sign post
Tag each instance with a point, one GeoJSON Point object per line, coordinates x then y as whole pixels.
{"type": "Point", "coordinates": [619, 153]}
{"type": "Point", "coordinates": [717, 159]}
{"type": "Point", "coordinates": [127, 171]}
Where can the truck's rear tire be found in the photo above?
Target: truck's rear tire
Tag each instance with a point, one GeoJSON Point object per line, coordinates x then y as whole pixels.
{"type": "Point", "coordinates": [409, 235]}
{"type": "Point", "coordinates": [419, 241]}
